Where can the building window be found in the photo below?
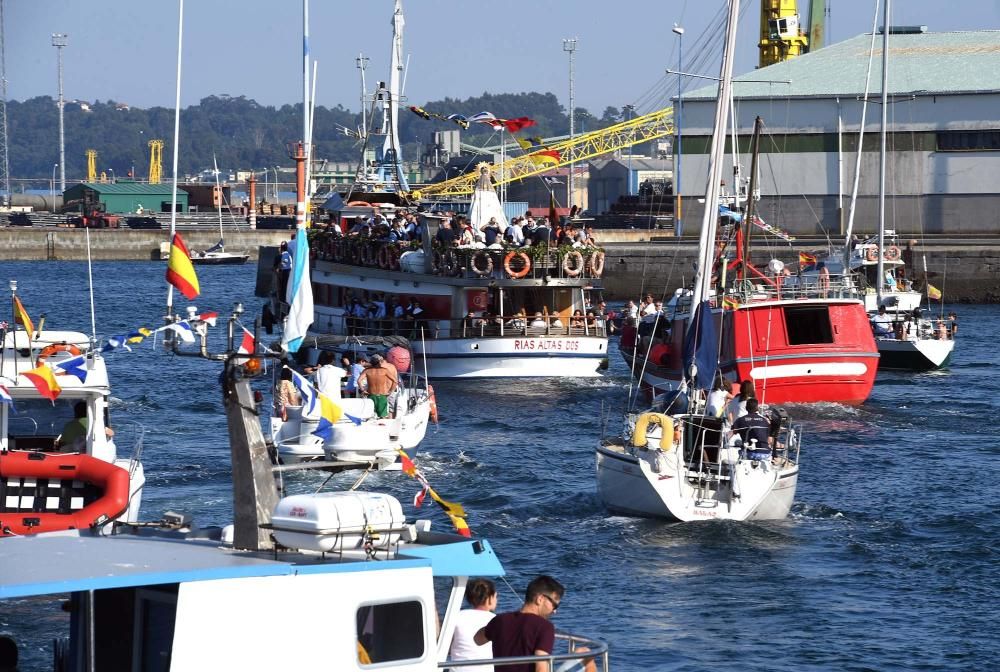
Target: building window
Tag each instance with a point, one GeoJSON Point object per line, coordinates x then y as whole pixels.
{"type": "Point", "coordinates": [808, 324]}
{"type": "Point", "coordinates": [390, 632]}
{"type": "Point", "coordinates": [968, 141]}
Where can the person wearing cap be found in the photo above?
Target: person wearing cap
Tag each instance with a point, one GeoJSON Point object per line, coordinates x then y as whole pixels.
{"type": "Point", "coordinates": [377, 382]}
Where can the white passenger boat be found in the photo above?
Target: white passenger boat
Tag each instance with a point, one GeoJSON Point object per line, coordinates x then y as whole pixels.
{"type": "Point", "coordinates": [53, 482]}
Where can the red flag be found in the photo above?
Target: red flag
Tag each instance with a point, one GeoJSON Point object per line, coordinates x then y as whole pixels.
{"type": "Point", "coordinates": [409, 468]}
{"type": "Point", "coordinates": [209, 317]}
{"type": "Point", "coordinates": [418, 499]}
{"type": "Point", "coordinates": [247, 346]}
{"type": "Point", "coordinates": [514, 125]}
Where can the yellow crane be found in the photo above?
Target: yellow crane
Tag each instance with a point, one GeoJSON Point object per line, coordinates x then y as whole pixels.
{"type": "Point", "coordinates": [781, 32]}
{"type": "Point", "coordinates": [91, 165]}
{"type": "Point", "coordinates": [155, 161]}
{"type": "Point", "coordinates": [586, 146]}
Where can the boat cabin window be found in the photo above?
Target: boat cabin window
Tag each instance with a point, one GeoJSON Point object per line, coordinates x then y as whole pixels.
{"type": "Point", "coordinates": [33, 424]}
{"type": "Point", "coordinates": [390, 632]}
{"type": "Point", "coordinates": [808, 324]}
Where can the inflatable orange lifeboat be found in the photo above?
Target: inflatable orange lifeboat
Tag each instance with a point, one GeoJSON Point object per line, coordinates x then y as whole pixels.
{"type": "Point", "coordinates": [45, 492]}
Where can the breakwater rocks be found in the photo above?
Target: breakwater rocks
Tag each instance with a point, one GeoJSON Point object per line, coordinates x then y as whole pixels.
{"type": "Point", "coordinates": [60, 244]}
{"type": "Point", "coordinates": [966, 270]}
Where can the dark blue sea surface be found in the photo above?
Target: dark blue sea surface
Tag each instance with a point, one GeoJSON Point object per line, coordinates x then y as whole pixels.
{"type": "Point", "coordinates": [888, 561]}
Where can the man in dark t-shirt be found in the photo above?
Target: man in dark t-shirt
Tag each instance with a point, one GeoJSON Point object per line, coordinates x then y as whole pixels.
{"type": "Point", "coordinates": [751, 426]}
{"type": "Point", "coordinates": [527, 632]}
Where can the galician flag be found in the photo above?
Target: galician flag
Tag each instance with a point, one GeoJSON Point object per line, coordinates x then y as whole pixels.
{"type": "Point", "coordinates": [299, 296]}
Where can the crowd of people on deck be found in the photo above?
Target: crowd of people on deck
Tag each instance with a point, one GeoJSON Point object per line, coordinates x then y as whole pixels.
{"type": "Point", "coordinates": [912, 325]}
{"type": "Point", "coordinates": [356, 376]}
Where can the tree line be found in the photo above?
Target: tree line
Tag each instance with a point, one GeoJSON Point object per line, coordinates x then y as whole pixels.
{"type": "Point", "coordinates": [243, 134]}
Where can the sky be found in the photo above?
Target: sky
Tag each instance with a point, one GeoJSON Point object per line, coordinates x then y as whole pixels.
{"type": "Point", "coordinates": [125, 50]}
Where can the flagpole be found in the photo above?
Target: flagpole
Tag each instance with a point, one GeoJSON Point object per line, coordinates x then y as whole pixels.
{"type": "Point", "coordinates": [90, 282]}
{"type": "Point", "coordinates": [177, 130]}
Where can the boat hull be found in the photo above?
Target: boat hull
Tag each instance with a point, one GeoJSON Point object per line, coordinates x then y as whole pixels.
{"type": "Point", "coordinates": [225, 259]}
{"type": "Point", "coordinates": [630, 484]}
{"type": "Point", "coordinates": [772, 344]}
{"type": "Point", "coordinates": [916, 355]}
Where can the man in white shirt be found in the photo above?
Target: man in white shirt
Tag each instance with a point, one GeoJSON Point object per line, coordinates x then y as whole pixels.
{"type": "Point", "coordinates": [882, 324]}
{"type": "Point", "coordinates": [329, 375]}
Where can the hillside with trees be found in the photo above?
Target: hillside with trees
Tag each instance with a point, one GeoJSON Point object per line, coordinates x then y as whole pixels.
{"type": "Point", "coordinates": [243, 134]}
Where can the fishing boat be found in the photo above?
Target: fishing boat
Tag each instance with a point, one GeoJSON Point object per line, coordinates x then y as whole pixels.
{"type": "Point", "coordinates": [688, 464]}
{"type": "Point", "coordinates": [906, 339]}
{"type": "Point", "coordinates": [217, 255]}
{"type": "Point", "coordinates": [800, 337]}
{"type": "Point", "coordinates": [359, 435]}
{"type": "Point", "coordinates": [50, 480]}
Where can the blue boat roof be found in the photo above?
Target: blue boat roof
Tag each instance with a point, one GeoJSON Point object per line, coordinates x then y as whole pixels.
{"type": "Point", "coordinates": [63, 563]}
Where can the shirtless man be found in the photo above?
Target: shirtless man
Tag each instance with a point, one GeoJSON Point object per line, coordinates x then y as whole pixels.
{"type": "Point", "coordinates": [378, 381]}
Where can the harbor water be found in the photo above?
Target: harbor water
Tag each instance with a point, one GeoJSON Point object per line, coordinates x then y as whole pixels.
{"type": "Point", "coordinates": [888, 561]}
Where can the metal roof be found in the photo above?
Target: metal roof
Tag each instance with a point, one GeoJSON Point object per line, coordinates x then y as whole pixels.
{"type": "Point", "coordinates": [132, 188]}
{"type": "Point", "coordinates": [67, 562]}
{"type": "Point", "coordinates": [921, 63]}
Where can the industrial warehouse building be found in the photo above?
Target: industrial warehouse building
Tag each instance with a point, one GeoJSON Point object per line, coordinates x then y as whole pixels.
{"type": "Point", "coordinates": [943, 136]}
{"type": "Point", "coordinates": [124, 197]}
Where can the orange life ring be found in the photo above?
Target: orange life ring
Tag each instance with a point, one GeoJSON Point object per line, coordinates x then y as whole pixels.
{"type": "Point", "coordinates": [871, 254]}
{"type": "Point", "coordinates": [573, 263]}
{"type": "Point", "coordinates": [892, 253]}
{"type": "Point", "coordinates": [481, 263]}
{"type": "Point", "coordinates": [597, 263]}
{"type": "Point", "coordinates": [434, 404]}
{"type": "Point", "coordinates": [50, 350]}
{"type": "Point", "coordinates": [382, 256]}
{"type": "Point", "coordinates": [360, 203]}
{"type": "Point", "coordinates": [113, 481]}
{"type": "Point", "coordinates": [525, 264]}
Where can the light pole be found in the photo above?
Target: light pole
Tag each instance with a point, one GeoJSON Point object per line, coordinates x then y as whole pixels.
{"type": "Point", "coordinates": [52, 185]}
{"type": "Point", "coordinates": [112, 171]}
{"type": "Point", "coordinates": [678, 220]}
{"type": "Point", "coordinates": [569, 46]}
{"type": "Point", "coordinates": [276, 199]}
{"type": "Point", "coordinates": [59, 42]}
{"type": "Point", "coordinates": [631, 111]}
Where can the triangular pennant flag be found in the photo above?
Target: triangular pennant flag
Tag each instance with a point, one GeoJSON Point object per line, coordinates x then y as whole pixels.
{"type": "Point", "coordinates": [73, 367]}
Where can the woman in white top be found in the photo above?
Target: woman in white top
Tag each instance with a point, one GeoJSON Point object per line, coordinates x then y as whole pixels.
{"type": "Point", "coordinates": [718, 398]}
{"type": "Point", "coordinates": [738, 406]}
{"type": "Point", "coordinates": [481, 594]}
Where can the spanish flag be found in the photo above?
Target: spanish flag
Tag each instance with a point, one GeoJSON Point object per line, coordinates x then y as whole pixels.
{"type": "Point", "coordinates": [806, 261]}
{"type": "Point", "coordinates": [21, 317]}
{"type": "Point", "coordinates": [43, 380]}
{"type": "Point", "coordinates": [933, 292]}
{"type": "Point", "coordinates": [180, 270]}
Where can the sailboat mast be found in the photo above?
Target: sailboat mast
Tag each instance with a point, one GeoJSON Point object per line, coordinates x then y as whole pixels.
{"type": "Point", "coordinates": [880, 274]}
{"type": "Point", "coordinates": [710, 217]}
{"type": "Point", "coordinates": [218, 202]}
{"type": "Point", "coordinates": [391, 148]}
{"type": "Point", "coordinates": [177, 133]}
{"type": "Point", "coordinates": [749, 215]}
{"type": "Point", "coordinates": [300, 153]}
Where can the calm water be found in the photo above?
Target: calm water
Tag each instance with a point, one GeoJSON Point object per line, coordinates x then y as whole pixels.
{"type": "Point", "coordinates": [888, 561]}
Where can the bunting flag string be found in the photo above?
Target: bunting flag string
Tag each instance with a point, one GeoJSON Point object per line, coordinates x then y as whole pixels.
{"type": "Point", "coordinates": [487, 118]}
{"type": "Point", "coordinates": [454, 510]}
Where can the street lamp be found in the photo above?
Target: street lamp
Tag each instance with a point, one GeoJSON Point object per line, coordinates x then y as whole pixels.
{"type": "Point", "coordinates": [52, 186]}
{"type": "Point", "coordinates": [569, 46]}
{"type": "Point", "coordinates": [59, 41]}
{"type": "Point", "coordinates": [275, 184]}
{"type": "Point", "coordinates": [678, 221]}
{"type": "Point", "coordinates": [112, 171]}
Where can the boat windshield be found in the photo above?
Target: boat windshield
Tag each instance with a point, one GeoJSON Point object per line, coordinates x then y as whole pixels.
{"type": "Point", "coordinates": [39, 417]}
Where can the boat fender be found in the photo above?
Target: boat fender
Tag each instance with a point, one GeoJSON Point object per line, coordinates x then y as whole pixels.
{"type": "Point", "coordinates": [434, 404]}
{"type": "Point", "coordinates": [597, 264]}
{"type": "Point", "coordinates": [639, 439]}
{"type": "Point", "coordinates": [892, 253]}
{"type": "Point", "coordinates": [871, 254]}
{"type": "Point", "coordinates": [481, 263]}
{"type": "Point", "coordinates": [525, 263]}
{"type": "Point", "coordinates": [50, 350]}
{"type": "Point", "coordinates": [573, 263]}
{"type": "Point", "coordinates": [382, 257]}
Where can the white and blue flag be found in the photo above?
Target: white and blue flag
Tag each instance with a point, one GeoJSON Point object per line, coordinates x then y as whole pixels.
{"type": "Point", "coordinates": [299, 295]}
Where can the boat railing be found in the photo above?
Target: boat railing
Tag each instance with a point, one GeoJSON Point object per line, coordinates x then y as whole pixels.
{"type": "Point", "coordinates": [533, 262]}
{"type": "Point", "coordinates": [512, 326]}
{"type": "Point", "coordinates": [578, 648]}
{"type": "Point", "coordinates": [820, 285]}
{"type": "Point", "coordinates": [129, 437]}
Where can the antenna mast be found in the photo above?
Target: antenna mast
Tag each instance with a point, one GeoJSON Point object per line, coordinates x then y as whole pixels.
{"type": "Point", "coordinates": [4, 156]}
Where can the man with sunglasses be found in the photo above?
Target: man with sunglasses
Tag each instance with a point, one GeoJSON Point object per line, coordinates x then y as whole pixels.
{"type": "Point", "coordinates": [528, 632]}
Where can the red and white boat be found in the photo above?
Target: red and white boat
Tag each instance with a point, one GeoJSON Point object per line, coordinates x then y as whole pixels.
{"type": "Point", "coordinates": [799, 338]}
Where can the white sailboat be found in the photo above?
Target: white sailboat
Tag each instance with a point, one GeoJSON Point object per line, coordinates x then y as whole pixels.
{"type": "Point", "coordinates": [217, 255]}
{"type": "Point", "coordinates": [906, 339]}
{"type": "Point", "coordinates": [683, 466]}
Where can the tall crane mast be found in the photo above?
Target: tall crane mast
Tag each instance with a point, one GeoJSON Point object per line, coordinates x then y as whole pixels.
{"type": "Point", "coordinates": [155, 161]}
{"type": "Point", "coordinates": [783, 35]}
